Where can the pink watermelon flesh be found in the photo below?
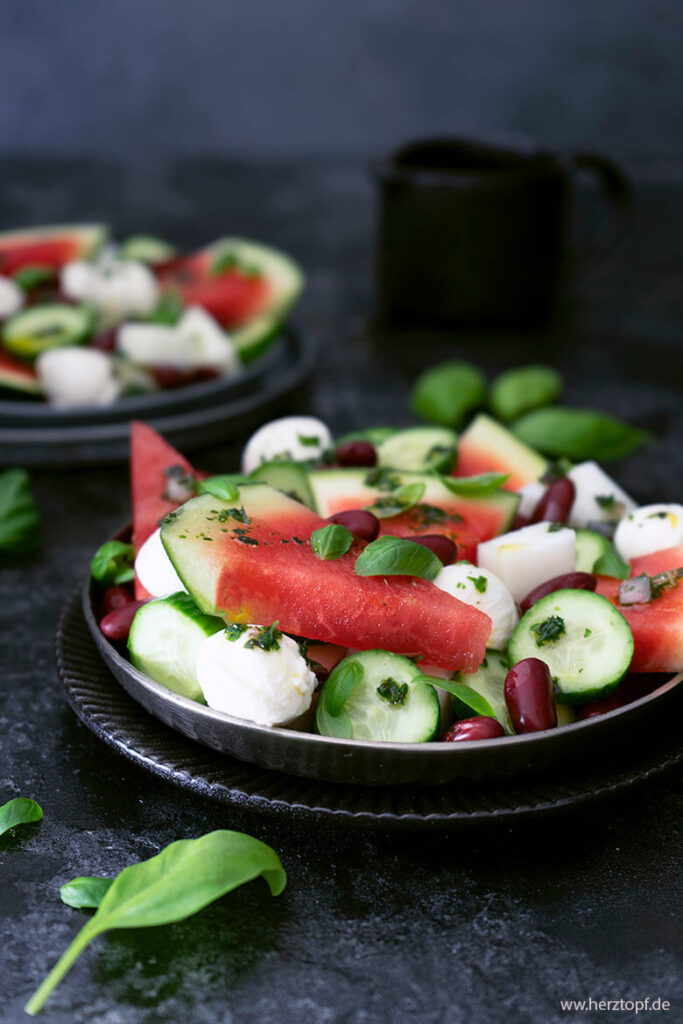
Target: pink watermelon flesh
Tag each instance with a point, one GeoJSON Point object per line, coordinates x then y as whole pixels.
{"type": "Point", "coordinates": [266, 571]}
{"type": "Point", "coordinates": [150, 457]}
{"type": "Point", "coordinates": [657, 627]}
{"type": "Point", "coordinates": [17, 375]}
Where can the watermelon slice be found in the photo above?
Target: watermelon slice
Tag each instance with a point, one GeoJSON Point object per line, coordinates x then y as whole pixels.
{"type": "Point", "coordinates": [49, 246]}
{"type": "Point", "coordinates": [488, 447]}
{"type": "Point", "coordinates": [657, 627]}
{"type": "Point", "coordinates": [18, 375]}
{"type": "Point", "coordinates": [250, 298]}
{"type": "Point", "coordinates": [150, 458]}
{"type": "Point", "coordinates": [466, 521]}
{"type": "Point", "coordinates": [258, 566]}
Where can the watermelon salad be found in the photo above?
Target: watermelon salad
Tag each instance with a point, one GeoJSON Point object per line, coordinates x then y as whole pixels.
{"type": "Point", "coordinates": [84, 321]}
{"type": "Point", "coordinates": [363, 588]}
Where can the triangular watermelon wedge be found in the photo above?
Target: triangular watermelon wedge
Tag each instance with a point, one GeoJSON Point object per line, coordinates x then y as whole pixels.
{"type": "Point", "coordinates": [150, 459]}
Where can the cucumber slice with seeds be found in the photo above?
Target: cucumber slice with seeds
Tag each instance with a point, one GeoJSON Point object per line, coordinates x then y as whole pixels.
{"type": "Point", "coordinates": [389, 703]}
{"type": "Point", "coordinates": [52, 325]}
{"type": "Point", "coordinates": [164, 641]}
{"type": "Point", "coordinates": [419, 448]}
{"type": "Point", "coordinates": [585, 642]}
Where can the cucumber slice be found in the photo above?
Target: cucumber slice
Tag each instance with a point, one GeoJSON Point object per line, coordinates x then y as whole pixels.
{"type": "Point", "coordinates": [375, 435]}
{"type": "Point", "coordinates": [482, 693]}
{"type": "Point", "coordinates": [590, 546]}
{"type": "Point", "coordinates": [585, 642]}
{"type": "Point", "coordinates": [146, 249]}
{"type": "Point", "coordinates": [289, 477]}
{"type": "Point", "coordinates": [164, 641]}
{"type": "Point", "coordinates": [420, 448]}
{"type": "Point", "coordinates": [386, 702]}
{"type": "Point", "coordinates": [52, 325]}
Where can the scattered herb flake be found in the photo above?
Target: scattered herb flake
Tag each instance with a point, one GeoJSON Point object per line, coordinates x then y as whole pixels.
{"type": "Point", "coordinates": [234, 630]}
{"type": "Point", "coordinates": [267, 638]}
{"type": "Point", "coordinates": [393, 692]}
{"type": "Point", "coordinates": [548, 630]}
{"type": "Point", "coordinates": [480, 583]}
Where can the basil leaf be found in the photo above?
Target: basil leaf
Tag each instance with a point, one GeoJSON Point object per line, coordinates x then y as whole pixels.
{"type": "Point", "coordinates": [398, 501]}
{"type": "Point", "coordinates": [479, 486]}
{"type": "Point", "coordinates": [35, 275]}
{"type": "Point", "coordinates": [224, 261]}
{"type": "Point", "coordinates": [112, 563]}
{"type": "Point", "coordinates": [168, 310]}
{"type": "Point", "coordinates": [579, 434]}
{"type": "Point", "coordinates": [346, 677]}
{"type": "Point", "coordinates": [224, 487]}
{"type": "Point", "coordinates": [84, 891]}
{"type": "Point", "coordinates": [467, 694]}
{"type": "Point", "coordinates": [446, 393]}
{"type": "Point", "coordinates": [528, 387]}
{"type": "Point", "coordinates": [20, 811]}
{"type": "Point", "coordinates": [395, 556]}
{"type": "Point", "coordinates": [19, 516]}
{"type": "Point", "coordinates": [179, 881]}
{"type": "Point", "coordinates": [611, 564]}
{"type": "Point", "coordinates": [330, 542]}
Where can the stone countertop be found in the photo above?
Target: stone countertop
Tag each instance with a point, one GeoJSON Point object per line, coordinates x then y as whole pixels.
{"type": "Point", "coordinates": [475, 925]}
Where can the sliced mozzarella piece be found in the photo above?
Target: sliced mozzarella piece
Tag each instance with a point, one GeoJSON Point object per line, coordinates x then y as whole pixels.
{"type": "Point", "coordinates": [480, 587]}
{"type": "Point", "coordinates": [11, 297]}
{"type": "Point", "coordinates": [197, 340]}
{"type": "Point", "coordinates": [74, 376]}
{"type": "Point", "coordinates": [649, 528]}
{"type": "Point", "coordinates": [525, 558]}
{"type": "Point", "coordinates": [598, 498]}
{"type": "Point", "coordinates": [267, 687]}
{"type": "Point", "coordinates": [155, 570]}
{"type": "Point", "coordinates": [293, 437]}
{"type": "Point", "coordinates": [530, 495]}
{"type": "Point", "coordinates": [117, 288]}
{"type": "Point", "coordinates": [208, 342]}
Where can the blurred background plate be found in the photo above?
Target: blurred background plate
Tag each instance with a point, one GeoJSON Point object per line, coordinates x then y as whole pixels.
{"type": "Point", "coordinates": [215, 415]}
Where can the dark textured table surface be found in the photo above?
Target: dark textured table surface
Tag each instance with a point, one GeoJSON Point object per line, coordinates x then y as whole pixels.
{"type": "Point", "coordinates": [481, 925]}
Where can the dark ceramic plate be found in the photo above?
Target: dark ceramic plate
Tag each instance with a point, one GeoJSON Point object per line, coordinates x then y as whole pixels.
{"type": "Point", "coordinates": [104, 707]}
{"type": "Point", "coordinates": [218, 412]}
{"type": "Point", "coordinates": [365, 763]}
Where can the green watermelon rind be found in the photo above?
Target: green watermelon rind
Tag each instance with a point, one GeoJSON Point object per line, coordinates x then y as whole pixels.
{"type": "Point", "coordinates": [91, 237]}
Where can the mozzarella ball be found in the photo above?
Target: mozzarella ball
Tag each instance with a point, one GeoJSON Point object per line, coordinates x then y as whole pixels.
{"type": "Point", "coordinates": [525, 558]}
{"type": "Point", "coordinates": [117, 288]}
{"type": "Point", "coordinates": [598, 498]}
{"type": "Point", "coordinates": [11, 297]}
{"type": "Point", "coordinates": [294, 437]}
{"type": "Point", "coordinates": [482, 588]}
{"type": "Point", "coordinates": [267, 687]}
{"type": "Point", "coordinates": [155, 569]}
{"type": "Point", "coordinates": [649, 528]}
{"type": "Point", "coordinates": [74, 376]}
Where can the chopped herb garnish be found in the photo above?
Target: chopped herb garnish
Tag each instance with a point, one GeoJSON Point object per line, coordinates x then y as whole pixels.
{"type": "Point", "coordinates": [393, 692]}
{"type": "Point", "coordinates": [657, 515]}
{"type": "Point", "coordinates": [606, 501]}
{"type": "Point", "coordinates": [430, 514]}
{"type": "Point", "coordinates": [234, 630]}
{"type": "Point", "coordinates": [382, 478]}
{"type": "Point", "coordinates": [548, 630]}
{"type": "Point", "coordinates": [298, 540]}
{"type": "Point", "coordinates": [308, 440]}
{"type": "Point", "coordinates": [555, 527]}
{"type": "Point", "coordinates": [248, 540]}
{"type": "Point", "coordinates": [233, 513]}
{"type": "Point", "coordinates": [586, 633]}
{"type": "Point", "coordinates": [267, 638]}
{"type": "Point", "coordinates": [480, 583]}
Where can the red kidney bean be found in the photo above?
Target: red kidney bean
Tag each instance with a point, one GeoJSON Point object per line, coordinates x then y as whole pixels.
{"type": "Point", "coordinates": [443, 547]}
{"type": "Point", "coordinates": [479, 728]}
{"type": "Point", "coordinates": [520, 521]}
{"type": "Point", "coordinates": [116, 625]}
{"type": "Point", "coordinates": [116, 597]}
{"type": "Point", "coordinates": [361, 523]}
{"type": "Point", "coordinates": [600, 707]}
{"type": "Point", "coordinates": [356, 453]}
{"type": "Point", "coordinates": [105, 341]}
{"type": "Point", "coordinates": [556, 503]}
{"type": "Point", "coordinates": [174, 377]}
{"type": "Point", "coordinates": [529, 696]}
{"type": "Point", "coordinates": [568, 581]}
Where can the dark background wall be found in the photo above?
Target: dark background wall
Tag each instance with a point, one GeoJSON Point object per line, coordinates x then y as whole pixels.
{"type": "Point", "coordinates": [284, 76]}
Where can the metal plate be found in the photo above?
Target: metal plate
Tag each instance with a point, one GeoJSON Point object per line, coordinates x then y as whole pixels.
{"type": "Point", "coordinates": [120, 722]}
{"type": "Point", "coordinates": [210, 413]}
{"type": "Point", "coordinates": [366, 763]}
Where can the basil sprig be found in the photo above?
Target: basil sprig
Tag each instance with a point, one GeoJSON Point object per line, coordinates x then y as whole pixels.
{"type": "Point", "coordinates": [85, 891]}
{"type": "Point", "coordinates": [19, 516]}
{"type": "Point", "coordinates": [112, 563]}
{"type": "Point", "coordinates": [19, 811]}
{"type": "Point", "coordinates": [179, 881]}
{"type": "Point", "coordinates": [397, 501]}
{"type": "Point", "coordinates": [395, 556]}
{"type": "Point", "coordinates": [525, 388]}
{"type": "Point", "coordinates": [225, 487]}
{"type": "Point", "coordinates": [579, 434]}
{"type": "Point", "coordinates": [479, 486]}
{"type": "Point", "coordinates": [610, 563]}
{"type": "Point", "coordinates": [331, 542]}
{"type": "Point", "coordinates": [446, 393]}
